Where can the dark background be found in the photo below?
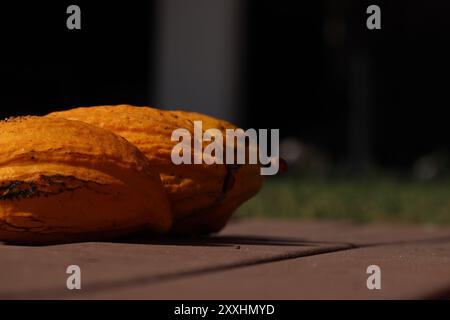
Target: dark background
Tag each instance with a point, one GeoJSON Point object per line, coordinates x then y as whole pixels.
{"type": "Point", "coordinates": [310, 68]}
{"type": "Point", "coordinates": [45, 66]}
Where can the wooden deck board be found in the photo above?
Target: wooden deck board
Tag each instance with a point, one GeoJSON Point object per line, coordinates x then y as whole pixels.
{"type": "Point", "coordinates": [283, 255]}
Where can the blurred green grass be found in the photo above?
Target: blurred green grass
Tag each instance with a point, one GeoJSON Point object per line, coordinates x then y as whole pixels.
{"type": "Point", "coordinates": [384, 199]}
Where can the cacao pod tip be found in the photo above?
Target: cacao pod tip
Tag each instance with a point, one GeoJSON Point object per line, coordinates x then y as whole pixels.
{"type": "Point", "coordinates": [283, 166]}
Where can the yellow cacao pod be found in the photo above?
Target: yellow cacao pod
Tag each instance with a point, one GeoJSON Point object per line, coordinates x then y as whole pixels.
{"type": "Point", "coordinates": [63, 181]}
{"type": "Point", "coordinates": [202, 196]}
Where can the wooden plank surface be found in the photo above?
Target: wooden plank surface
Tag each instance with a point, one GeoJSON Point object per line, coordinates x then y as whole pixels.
{"type": "Point", "coordinates": [237, 263]}
{"type": "Point", "coordinates": [418, 271]}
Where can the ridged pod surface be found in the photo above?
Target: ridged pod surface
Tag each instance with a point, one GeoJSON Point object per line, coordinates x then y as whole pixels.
{"type": "Point", "coordinates": [63, 181]}
{"type": "Point", "coordinates": [202, 196]}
